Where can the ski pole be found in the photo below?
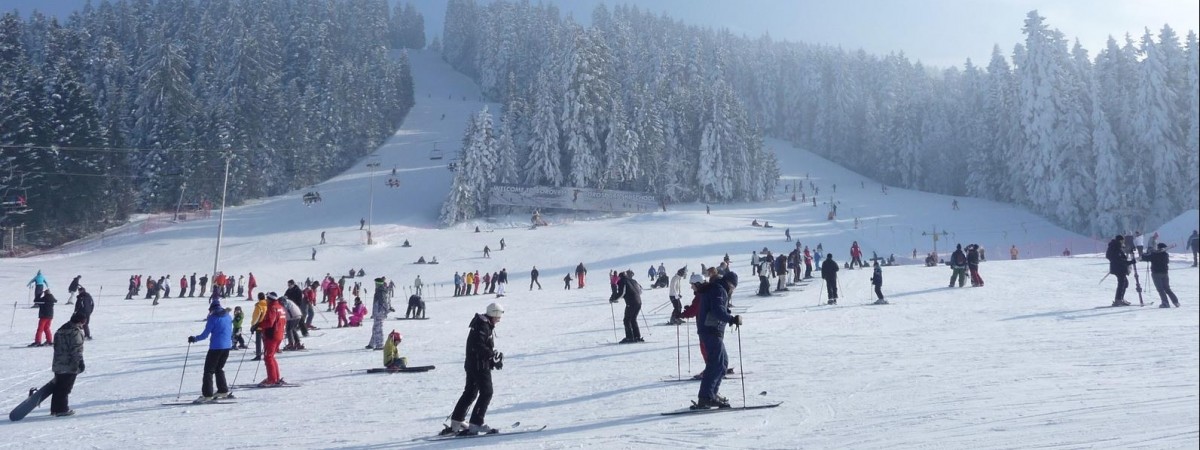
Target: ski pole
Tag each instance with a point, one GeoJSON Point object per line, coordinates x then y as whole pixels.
{"type": "Point", "coordinates": [741, 365]}
{"type": "Point", "coordinates": [689, 346]}
{"type": "Point", "coordinates": [647, 323]}
{"type": "Point", "coordinates": [678, 362]}
{"type": "Point", "coordinates": [256, 366]}
{"type": "Point", "coordinates": [820, 293]}
{"type": "Point", "coordinates": [184, 371]}
{"type": "Point", "coordinates": [14, 318]}
{"type": "Point", "coordinates": [613, 311]}
{"type": "Point", "coordinates": [660, 307]}
{"type": "Point", "coordinates": [239, 367]}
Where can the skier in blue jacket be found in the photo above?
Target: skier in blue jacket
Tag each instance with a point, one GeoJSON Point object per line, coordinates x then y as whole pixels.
{"type": "Point", "coordinates": [711, 320]}
{"type": "Point", "coordinates": [220, 326]}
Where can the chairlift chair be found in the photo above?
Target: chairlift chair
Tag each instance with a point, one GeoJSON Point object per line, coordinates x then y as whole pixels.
{"type": "Point", "coordinates": [435, 154]}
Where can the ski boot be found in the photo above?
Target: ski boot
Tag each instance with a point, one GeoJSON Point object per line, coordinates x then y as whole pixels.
{"type": "Point", "coordinates": [202, 400]}
{"type": "Point", "coordinates": [479, 429]}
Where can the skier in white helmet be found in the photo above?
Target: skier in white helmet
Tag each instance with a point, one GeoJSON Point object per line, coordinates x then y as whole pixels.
{"type": "Point", "coordinates": [481, 358]}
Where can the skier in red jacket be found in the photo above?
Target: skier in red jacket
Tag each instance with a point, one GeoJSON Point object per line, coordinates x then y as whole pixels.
{"type": "Point", "coordinates": [273, 326]}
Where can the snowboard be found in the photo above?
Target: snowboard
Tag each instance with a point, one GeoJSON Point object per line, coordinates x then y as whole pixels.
{"type": "Point", "coordinates": [411, 318]}
{"type": "Point", "coordinates": [716, 410]}
{"type": "Point", "coordinates": [406, 369]}
{"type": "Point", "coordinates": [35, 398]}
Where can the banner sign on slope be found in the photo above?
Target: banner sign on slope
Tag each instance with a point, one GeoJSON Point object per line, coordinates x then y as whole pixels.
{"type": "Point", "coordinates": [572, 198]}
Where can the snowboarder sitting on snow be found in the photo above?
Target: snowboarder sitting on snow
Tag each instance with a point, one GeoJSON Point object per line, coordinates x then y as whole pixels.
{"type": "Point", "coordinates": [421, 260]}
{"type": "Point", "coordinates": [357, 314]}
{"type": "Point", "coordinates": [391, 352]}
{"type": "Point", "coordinates": [406, 244]}
{"type": "Point", "coordinates": [416, 307]}
{"type": "Point", "coordinates": [755, 223]}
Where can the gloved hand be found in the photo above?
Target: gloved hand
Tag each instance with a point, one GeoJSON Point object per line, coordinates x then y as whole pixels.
{"type": "Point", "coordinates": [498, 361]}
{"type": "Point", "coordinates": [737, 320]}
{"type": "Point", "coordinates": [191, 339]}
{"type": "Point", "coordinates": [613, 300]}
{"type": "Point", "coordinates": [81, 367]}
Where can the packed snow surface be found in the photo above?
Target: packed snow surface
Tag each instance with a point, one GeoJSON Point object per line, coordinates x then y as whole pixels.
{"type": "Point", "coordinates": [1031, 360]}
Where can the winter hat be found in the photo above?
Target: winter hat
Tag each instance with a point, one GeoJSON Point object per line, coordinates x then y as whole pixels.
{"type": "Point", "coordinates": [696, 279]}
{"type": "Point", "coordinates": [78, 317]}
{"type": "Point", "coordinates": [495, 310]}
{"type": "Point", "coordinates": [1161, 245]}
{"type": "Point", "coordinates": [958, 247]}
{"type": "Point", "coordinates": [272, 296]}
{"type": "Point", "coordinates": [216, 304]}
{"type": "Point", "coordinates": [1120, 238]}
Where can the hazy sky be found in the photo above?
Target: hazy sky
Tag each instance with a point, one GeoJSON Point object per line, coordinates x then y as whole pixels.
{"type": "Point", "coordinates": [938, 32]}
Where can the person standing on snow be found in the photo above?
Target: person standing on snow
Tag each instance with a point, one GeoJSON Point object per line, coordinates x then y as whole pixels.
{"type": "Point", "coordinates": [250, 285]}
{"type": "Point", "coordinates": [877, 282]}
{"type": "Point", "coordinates": [580, 271]}
{"type": "Point", "coordinates": [673, 292]}
{"type": "Point", "coordinates": [192, 285]}
{"type": "Point", "coordinates": [1139, 243]}
{"type": "Point", "coordinates": [1118, 264]}
{"type": "Point", "coordinates": [45, 306]}
{"type": "Point", "coordinates": [256, 319]}
{"type": "Point", "coordinates": [829, 270]}
{"type": "Point", "coordinates": [417, 284]}
{"type": "Point", "coordinates": [533, 279]}
{"type": "Point", "coordinates": [220, 326]}
{"type": "Point", "coordinates": [84, 304]}
{"type": "Point", "coordinates": [72, 288]}
{"type": "Point", "coordinates": [958, 265]}
{"type": "Point", "coordinates": [629, 289]}
{"type": "Point", "coordinates": [272, 329]}
{"type": "Point", "coordinates": [68, 364]}
{"type": "Point", "coordinates": [379, 313]}
{"type": "Point", "coordinates": [973, 265]}
{"type": "Point", "coordinates": [501, 281]}
{"type": "Point", "coordinates": [481, 358]}
{"type": "Point", "coordinates": [1193, 244]}
{"type": "Point", "coordinates": [39, 285]}
{"type": "Point", "coordinates": [711, 318]}
{"type": "Point", "coordinates": [1159, 261]}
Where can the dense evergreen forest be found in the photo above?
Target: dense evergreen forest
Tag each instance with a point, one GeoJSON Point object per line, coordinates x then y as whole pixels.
{"type": "Point", "coordinates": [127, 104]}
{"type": "Point", "coordinates": [640, 101]}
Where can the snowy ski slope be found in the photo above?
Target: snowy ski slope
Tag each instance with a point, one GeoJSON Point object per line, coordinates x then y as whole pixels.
{"type": "Point", "coordinates": [1028, 361]}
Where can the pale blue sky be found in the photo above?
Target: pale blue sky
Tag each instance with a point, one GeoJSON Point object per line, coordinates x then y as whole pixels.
{"type": "Point", "coordinates": [938, 32]}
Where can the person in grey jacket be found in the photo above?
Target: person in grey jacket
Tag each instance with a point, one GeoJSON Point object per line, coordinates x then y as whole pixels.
{"type": "Point", "coordinates": [68, 363]}
{"type": "Point", "coordinates": [379, 313]}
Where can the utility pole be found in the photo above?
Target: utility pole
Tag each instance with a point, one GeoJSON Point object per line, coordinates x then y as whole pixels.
{"type": "Point", "coordinates": [935, 233]}
{"type": "Point", "coordinates": [221, 221]}
{"type": "Point", "coordinates": [371, 203]}
{"type": "Point", "coordinates": [182, 187]}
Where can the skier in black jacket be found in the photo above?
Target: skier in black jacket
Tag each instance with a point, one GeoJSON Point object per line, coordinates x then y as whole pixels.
{"type": "Point", "coordinates": [73, 288]}
{"type": "Point", "coordinates": [629, 288]}
{"type": "Point", "coordinates": [829, 270]}
{"type": "Point", "coordinates": [1118, 264]}
{"type": "Point", "coordinates": [481, 358]}
{"type": "Point", "coordinates": [1159, 261]}
{"type": "Point", "coordinates": [533, 274]}
{"type": "Point", "coordinates": [84, 304]}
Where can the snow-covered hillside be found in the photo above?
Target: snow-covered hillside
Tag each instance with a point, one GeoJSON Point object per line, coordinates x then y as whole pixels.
{"type": "Point", "coordinates": [1027, 361]}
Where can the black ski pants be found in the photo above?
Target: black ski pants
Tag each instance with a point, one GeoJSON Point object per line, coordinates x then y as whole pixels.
{"type": "Point", "coordinates": [214, 366]}
{"type": "Point", "coordinates": [831, 287]}
{"type": "Point", "coordinates": [631, 324]}
{"type": "Point", "coordinates": [1162, 283]}
{"type": "Point", "coordinates": [879, 292]}
{"type": "Point", "coordinates": [63, 383]}
{"type": "Point", "coordinates": [533, 281]}
{"type": "Point", "coordinates": [478, 390]}
{"type": "Point", "coordinates": [1122, 284]}
{"type": "Point", "coordinates": [764, 285]}
{"type": "Point", "coordinates": [676, 309]}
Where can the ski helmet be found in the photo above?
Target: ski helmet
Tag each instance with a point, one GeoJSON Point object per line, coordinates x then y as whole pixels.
{"type": "Point", "coordinates": [495, 310]}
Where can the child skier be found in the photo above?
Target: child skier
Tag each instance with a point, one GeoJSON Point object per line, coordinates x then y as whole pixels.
{"type": "Point", "coordinates": [342, 309]}
{"type": "Point", "coordinates": [357, 314]}
{"type": "Point", "coordinates": [877, 281]}
{"type": "Point", "coordinates": [391, 352]}
{"type": "Point", "coordinates": [239, 342]}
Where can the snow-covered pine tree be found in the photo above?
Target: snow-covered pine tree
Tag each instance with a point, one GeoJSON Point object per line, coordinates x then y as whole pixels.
{"type": "Point", "coordinates": [543, 165]}
{"type": "Point", "coordinates": [1038, 74]}
{"type": "Point", "coordinates": [1158, 137]}
{"type": "Point", "coordinates": [1191, 148]}
{"type": "Point", "coordinates": [1110, 209]}
{"type": "Point", "coordinates": [585, 112]}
